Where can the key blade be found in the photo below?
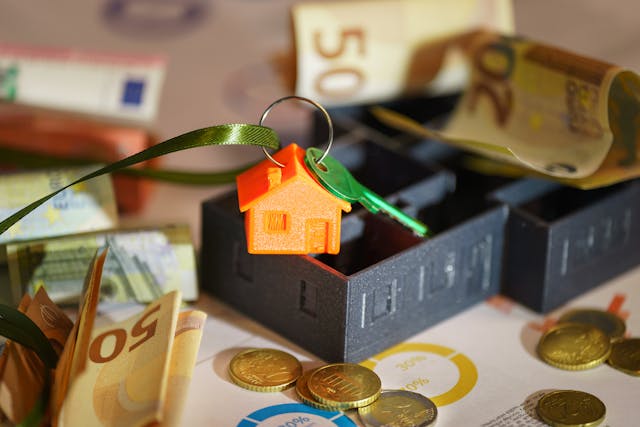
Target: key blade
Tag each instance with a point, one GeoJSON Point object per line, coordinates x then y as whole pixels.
{"type": "Point", "coordinates": [415, 225]}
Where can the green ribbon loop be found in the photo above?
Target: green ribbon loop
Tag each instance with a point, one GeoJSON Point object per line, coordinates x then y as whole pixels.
{"type": "Point", "coordinates": [229, 134]}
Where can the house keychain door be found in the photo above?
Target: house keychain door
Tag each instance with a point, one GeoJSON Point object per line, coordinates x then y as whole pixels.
{"type": "Point", "coordinates": [293, 201]}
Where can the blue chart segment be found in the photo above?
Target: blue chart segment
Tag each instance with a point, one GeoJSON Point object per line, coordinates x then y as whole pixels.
{"type": "Point", "coordinates": [295, 415]}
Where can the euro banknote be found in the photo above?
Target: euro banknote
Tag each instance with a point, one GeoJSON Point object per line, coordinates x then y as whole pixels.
{"type": "Point", "coordinates": [142, 264]}
{"type": "Point", "coordinates": [87, 206]}
{"type": "Point", "coordinates": [545, 109]}
{"type": "Point", "coordinates": [352, 52]}
{"type": "Point", "coordinates": [125, 375]}
{"type": "Point", "coordinates": [112, 85]}
{"type": "Point", "coordinates": [135, 372]}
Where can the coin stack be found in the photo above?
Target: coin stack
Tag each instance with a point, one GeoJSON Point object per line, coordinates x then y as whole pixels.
{"type": "Point", "coordinates": [333, 387]}
{"type": "Point", "coordinates": [586, 338]}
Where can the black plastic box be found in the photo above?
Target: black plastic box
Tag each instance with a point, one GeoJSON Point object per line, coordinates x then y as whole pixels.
{"type": "Point", "coordinates": [564, 241]}
{"type": "Point", "coordinates": [385, 285]}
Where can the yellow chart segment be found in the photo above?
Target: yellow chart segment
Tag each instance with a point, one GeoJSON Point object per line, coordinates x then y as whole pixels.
{"type": "Point", "coordinates": [467, 373]}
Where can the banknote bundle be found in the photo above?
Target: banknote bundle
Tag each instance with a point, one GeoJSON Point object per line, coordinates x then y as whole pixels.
{"type": "Point", "coordinates": [52, 246]}
{"type": "Point", "coordinates": [142, 265]}
{"type": "Point", "coordinates": [130, 373]}
{"type": "Point", "coordinates": [36, 138]}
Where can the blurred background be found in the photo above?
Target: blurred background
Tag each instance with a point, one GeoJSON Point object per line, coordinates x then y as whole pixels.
{"type": "Point", "coordinates": [227, 60]}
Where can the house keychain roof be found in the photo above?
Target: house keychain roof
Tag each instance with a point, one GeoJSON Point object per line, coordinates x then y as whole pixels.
{"type": "Point", "coordinates": [286, 210]}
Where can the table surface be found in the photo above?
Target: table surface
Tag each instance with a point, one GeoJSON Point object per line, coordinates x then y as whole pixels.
{"type": "Point", "coordinates": [219, 72]}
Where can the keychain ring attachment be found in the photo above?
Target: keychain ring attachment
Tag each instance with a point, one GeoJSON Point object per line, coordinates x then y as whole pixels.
{"type": "Point", "coordinates": [309, 101]}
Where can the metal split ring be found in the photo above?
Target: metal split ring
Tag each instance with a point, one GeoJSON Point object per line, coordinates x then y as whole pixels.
{"type": "Point", "coordinates": [315, 104]}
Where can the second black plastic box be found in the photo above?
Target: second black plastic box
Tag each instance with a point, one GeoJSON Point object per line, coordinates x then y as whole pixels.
{"type": "Point", "coordinates": [564, 241]}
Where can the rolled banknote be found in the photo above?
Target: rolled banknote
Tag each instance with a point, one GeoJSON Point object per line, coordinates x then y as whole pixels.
{"type": "Point", "coordinates": [142, 264]}
{"type": "Point", "coordinates": [87, 206]}
{"type": "Point", "coordinates": [351, 52]}
{"type": "Point", "coordinates": [553, 112]}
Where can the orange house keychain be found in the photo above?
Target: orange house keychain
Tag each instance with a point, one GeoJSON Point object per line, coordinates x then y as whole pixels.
{"type": "Point", "coordinates": [293, 201]}
{"type": "Point", "coordinates": [286, 210]}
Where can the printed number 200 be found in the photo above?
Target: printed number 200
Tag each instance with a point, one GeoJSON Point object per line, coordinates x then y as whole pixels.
{"type": "Point", "coordinates": [355, 76]}
{"type": "Point", "coordinates": [120, 336]}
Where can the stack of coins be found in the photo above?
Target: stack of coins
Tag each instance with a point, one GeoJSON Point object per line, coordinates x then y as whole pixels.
{"type": "Point", "coordinates": [333, 387]}
{"type": "Point", "coordinates": [339, 386]}
{"type": "Point", "coordinates": [586, 338]}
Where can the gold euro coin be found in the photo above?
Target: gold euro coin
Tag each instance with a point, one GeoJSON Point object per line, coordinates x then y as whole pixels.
{"type": "Point", "coordinates": [612, 325]}
{"type": "Point", "coordinates": [302, 389]}
{"type": "Point", "coordinates": [574, 346]}
{"type": "Point", "coordinates": [344, 385]}
{"type": "Point", "coordinates": [625, 356]}
{"type": "Point", "coordinates": [399, 408]}
{"type": "Point", "coordinates": [264, 369]}
{"type": "Point", "coordinates": [570, 408]}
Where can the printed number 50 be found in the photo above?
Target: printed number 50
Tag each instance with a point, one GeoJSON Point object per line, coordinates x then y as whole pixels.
{"type": "Point", "coordinates": [331, 82]}
{"type": "Point", "coordinates": [120, 336]}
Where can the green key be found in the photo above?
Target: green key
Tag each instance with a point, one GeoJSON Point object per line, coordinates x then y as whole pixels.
{"type": "Point", "coordinates": [336, 179]}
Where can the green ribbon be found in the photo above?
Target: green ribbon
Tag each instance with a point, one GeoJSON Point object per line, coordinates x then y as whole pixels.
{"type": "Point", "coordinates": [230, 134]}
{"type": "Point", "coordinates": [33, 160]}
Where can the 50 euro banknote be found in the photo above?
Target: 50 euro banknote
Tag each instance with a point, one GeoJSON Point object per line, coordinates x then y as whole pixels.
{"type": "Point", "coordinates": [354, 52]}
{"type": "Point", "coordinates": [547, 110]}
{"type": "Point", "coordinates": [142, 265]}
{"type": "Point", "coordinates": [135, 372]}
